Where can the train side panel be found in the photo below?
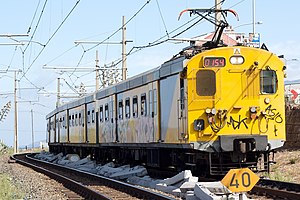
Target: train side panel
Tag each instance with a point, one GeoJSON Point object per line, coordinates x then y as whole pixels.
{"type": "Point", "coordinates": [106, 119]}
{"type": "Point", "coordinates": [62, 127]}
{"type": "Point", "coordinates": [77, 124]}
{"type": "Point", "coordinates": [137, 112]}
{"type": "Point", "coordinates": [91, 122]}
{"type": "Point", "coordinates": [52, 130]}
{"type": "Point", "coordinates": [169, 108]}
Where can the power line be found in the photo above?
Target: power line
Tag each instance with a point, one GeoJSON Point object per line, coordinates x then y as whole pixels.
{"type": "Point", "coordinates": [121, 26]}
{"type": "Point", "coordinates": [12, 58]}
{"type": "Point", "coordinates": [162, 18]}
{"type": "Point", "coordinates": [51, 38]}
{"type": "Point", "coordinates": [29, 29]}
{"type": "Point", "coordinates": [38, 22]}
{"type": "Point", "coordinates": [119, 29]}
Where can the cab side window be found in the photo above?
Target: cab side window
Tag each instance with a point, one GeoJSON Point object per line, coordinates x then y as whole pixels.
{"type": "Point", "coordinates": [268, 82]}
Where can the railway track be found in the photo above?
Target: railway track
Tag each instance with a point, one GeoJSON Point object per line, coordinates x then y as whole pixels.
{"type": "Point", "coordinates": [83, 185]}
{"type": "Point", "coordinates": [277, 189]}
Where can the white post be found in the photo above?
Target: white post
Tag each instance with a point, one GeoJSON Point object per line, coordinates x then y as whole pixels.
{"type": "Point", "coordinates": [253, 16]}
{"type": "Point", "coordinates": [16, 115]}
{"type": "Point", "coordinates": [32, 134]}
{"type": "Point", "coordinates": [217, 14]}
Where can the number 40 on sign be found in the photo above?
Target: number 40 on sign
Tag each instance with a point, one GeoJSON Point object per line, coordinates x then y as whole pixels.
{"type": "Point", "coordinates": [240, 180]}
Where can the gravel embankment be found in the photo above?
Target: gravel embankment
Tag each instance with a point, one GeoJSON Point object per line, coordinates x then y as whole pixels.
{"type": "Point", "coordinates": [31, 183]}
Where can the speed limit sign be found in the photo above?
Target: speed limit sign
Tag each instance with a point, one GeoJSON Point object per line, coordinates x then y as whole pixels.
{"type": "Point", "coordinates": [240, 180]}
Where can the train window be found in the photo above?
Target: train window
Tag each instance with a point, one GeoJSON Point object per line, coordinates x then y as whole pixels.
{"type": "Point", "coordinates": [150, 102]}
{"type": "Point", "coordinates": [93, 116]}
{"type": "Point", "coordinates": [155, 102]}
{"type": "Point", "coordinates": [120, 113]}
{"type": "Point", "coordinates": [206, 83]}
{"type": "Point", "coordinates": [135, 106]}
{"type": "Point", "coordinates": [127, 108]}
{"type": "Point", "coordinates": [111, 111]}
{"type": "Point", "coordinates": [143, 105]}
{"type": "Point", "coordinates": [268, 82]}
{"type": "Point", "coordinates": [72, 119]}
{"type": "Point", "coordinates": [48, 126]}
{"type": "Point", "coordinates": [76, 119]}
{"type": "Point", "coordinates": [101, 113]}
{"type": "Point", "coordinates": [106, 112]}
{"type": "Point", "coordinates": [63, 121]}
{"type": "Point", "coordinates": [89, 117]}
{"type": "Point", "coordinates": [79, 119]}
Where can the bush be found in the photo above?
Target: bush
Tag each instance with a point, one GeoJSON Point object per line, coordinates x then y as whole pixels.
{"type": "Point", "coordinates": [293, 161]}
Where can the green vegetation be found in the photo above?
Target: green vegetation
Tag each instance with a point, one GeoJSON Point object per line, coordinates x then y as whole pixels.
{"type": "Point", "coordinates": [7, 189]}
{"type": "Point", "coordinates": [293, 160]}
{"type": "Point", "coordinates": [280, 177]}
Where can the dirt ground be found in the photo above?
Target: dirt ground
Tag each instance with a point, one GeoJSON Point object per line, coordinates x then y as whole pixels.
{"type": "Point", "coordinates": [287, 166]}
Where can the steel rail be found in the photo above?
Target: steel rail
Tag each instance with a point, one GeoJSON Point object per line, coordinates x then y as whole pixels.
{"type": "Point", "coordinates": [277, 189]}
{"type": "Point", "coordinates": [67, 182]}
{"type": "Point", "coordinates": [118, 185]}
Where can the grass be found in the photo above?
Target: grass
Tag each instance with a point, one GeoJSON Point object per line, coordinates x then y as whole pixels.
{"type": "Point", "coordinates": [280, 177]}
{"type": "Point", "coordinates": [8, 190]}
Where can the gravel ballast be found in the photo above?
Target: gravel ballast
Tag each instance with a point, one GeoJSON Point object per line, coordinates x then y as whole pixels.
{"type": "Point", "coordinates": [31, 183]}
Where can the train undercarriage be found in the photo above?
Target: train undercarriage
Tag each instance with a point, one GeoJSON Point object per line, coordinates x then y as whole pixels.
{"type": "Point", "coordinates": [171, 160]}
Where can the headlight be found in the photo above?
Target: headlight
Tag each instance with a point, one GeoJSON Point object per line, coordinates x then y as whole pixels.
{"type": "Point", "coordinates": [267, 100]}
{"type": "Point", "coordinates": [236, 60]}
{"type": "Point", "coordinates": [253, 109]}
{"type": "Point", "coordinates": [213, 111]}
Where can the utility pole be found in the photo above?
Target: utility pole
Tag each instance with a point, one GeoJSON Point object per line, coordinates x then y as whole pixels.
{"type": "Point", "coordinates": [58, 93]}
{"type": "Point", "coordinates": [253, 16]}
{"type": "Point", "coordinates": [16, 114]}
{"type": "Point", "coordinates": [32, 133]}
{"type": "Point", "coordinates": [97, 71]}
{"type": "Point", "coordinates": [217, 14]}
{"type": "Point", "coordinates": [16, 106]}
{"type": "Point", "coordinates": [124, 67]}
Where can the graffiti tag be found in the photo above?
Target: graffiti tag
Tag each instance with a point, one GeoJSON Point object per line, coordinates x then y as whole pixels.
{"type": "Point", "coordinates": [273, 114]}
{"type": "Point", "coordinates": [236, 124]}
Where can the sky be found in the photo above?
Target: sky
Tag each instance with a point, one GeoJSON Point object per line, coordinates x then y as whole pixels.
{"type": "Point", "coordinates": [54, 26]}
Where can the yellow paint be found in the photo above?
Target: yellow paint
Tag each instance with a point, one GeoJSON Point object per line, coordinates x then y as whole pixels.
{"type": "Point", "coordinates": [240, 180]}
{"type": "Point", "coordinates": [238, 89]}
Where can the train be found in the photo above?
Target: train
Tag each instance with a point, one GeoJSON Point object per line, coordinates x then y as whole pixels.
{"type": "Point", "coordinates": [208, 109]}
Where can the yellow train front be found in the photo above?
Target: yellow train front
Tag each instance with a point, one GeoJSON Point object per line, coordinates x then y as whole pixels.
{"type": "Point", "coordinates": [204, 110]}
{"type": "Point", "coordinates": [235, 108]}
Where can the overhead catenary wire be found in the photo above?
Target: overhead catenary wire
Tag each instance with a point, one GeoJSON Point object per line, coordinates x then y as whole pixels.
{"type": "Point", "coordinates": [38, 22]}
{"type": "Point", "coordinates": [51, 37]}
{"type": "Point", "coordinates": [162, 18]}
{"type": "Point", "coordinates": [115, 32]}
{"type": "Point", "coordinates": [138, 48]}
{"type": "Point", "coordinates": [12, 58]}
{"type": "Point", "coordinates": [159, 41]}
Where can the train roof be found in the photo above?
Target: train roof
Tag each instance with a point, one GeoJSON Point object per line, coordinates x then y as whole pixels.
{"type": "Point", "coordinates": [168, 68]}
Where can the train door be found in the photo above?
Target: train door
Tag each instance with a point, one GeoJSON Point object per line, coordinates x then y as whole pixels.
{"type": "Point", "coordinates": [57, 128]}
{"type": "Point", "coordinates": [97, 127]}
{"type": "Point", "coordinates": [169, 91]}
{"type": "Point", "coordinates": [112, 116]}
{"type": "Point", "coordinates": [91, 123]}
{"type": "Point", "coordinates": [153, 112]}
{"type": "Point", "coordinates": [182, 111]}
{"type": "Point", "coordinates": [52, 130]}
